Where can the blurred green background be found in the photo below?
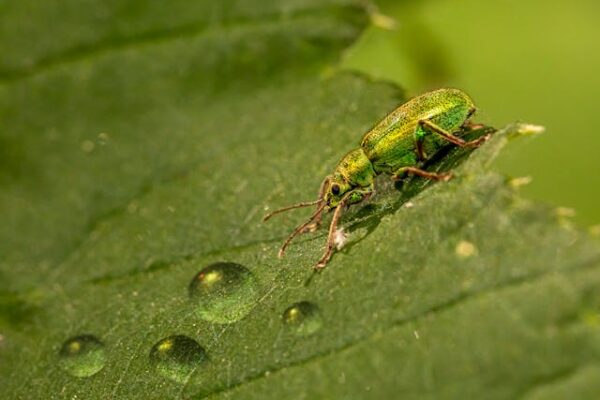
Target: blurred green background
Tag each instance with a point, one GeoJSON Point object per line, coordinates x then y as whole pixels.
{"type": "Point", "coordinates": [532, 61]}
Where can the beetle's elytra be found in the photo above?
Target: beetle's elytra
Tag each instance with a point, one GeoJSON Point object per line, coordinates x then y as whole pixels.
{"type": "Point", "coordinates": [397, 145]}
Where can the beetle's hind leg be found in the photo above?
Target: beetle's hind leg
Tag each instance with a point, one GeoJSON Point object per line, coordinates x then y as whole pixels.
{"type": "Point", "coordinates": [419, 140]}
{"type": "Point", "coordinates": [470, 125]}
{"type": "Point", "coordinates": [398, 174]}
{"type": "Point", "coordinates": [423, 128]}
{"type": "Point", "coordinates": [424, 123]}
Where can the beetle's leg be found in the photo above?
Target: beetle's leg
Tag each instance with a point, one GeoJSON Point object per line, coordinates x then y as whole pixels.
{"type": "Point", "coordinates": [445, 176]}
{"type": "Point", "coordinates": [315, 224]}
{"type": "Point", "coordinates": [420, 134]}
{"type": "Point", "coordinates": [352, 197]}
{"type": "Point", "coordinates": [318, 218]}
{"type": "Point", "coordinates": [450, 137]}
{"type": "Point", "coordinates": [331, 236]}
{"type": "Point", "coordinates": [420, 152]}
{"type": "Point", "coordinates": [472, 125]}
{"type": "Point", "coordinates": [300, 228]}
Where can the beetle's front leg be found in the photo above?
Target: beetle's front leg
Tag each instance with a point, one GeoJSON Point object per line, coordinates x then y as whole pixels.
{"type": "Point", "coordinates": [352, 197]}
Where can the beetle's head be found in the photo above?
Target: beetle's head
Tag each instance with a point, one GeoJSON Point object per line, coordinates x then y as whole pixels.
{"type": "Point", "coordinates": [335, 190]}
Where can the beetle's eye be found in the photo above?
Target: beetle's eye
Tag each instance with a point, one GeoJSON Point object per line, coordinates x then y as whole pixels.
{"type": "Point", "coordinates": [335, 189]}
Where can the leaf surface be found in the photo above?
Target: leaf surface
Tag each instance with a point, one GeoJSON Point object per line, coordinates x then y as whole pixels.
{"type": "Point", "coordinates": [139, 147]}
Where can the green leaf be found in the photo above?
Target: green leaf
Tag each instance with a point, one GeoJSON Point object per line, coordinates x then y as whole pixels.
{"type": "Point", "coordinates": [141, 145]}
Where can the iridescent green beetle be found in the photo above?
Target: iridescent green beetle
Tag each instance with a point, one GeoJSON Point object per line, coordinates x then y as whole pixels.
{"type": "Point", "coordinates": [397, 145]}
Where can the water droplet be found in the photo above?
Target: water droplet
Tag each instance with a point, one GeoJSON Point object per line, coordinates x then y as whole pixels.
{"type": "Point", "coordinates": [530, 129]}
{"type": "Point", "coordinates": [565, 212]}
{"type": "Point", "coordinates": [383, 21]}
{"type": "Point", "coordinates": [87, 146]}
{"type": "Point", "coordinates": [224, 292]}
{"type": "Point", "coordinates": [82, 356]}
{"type": "Point", "coordinates": [177, 357]}
{"type": "Point", "coordinates": [520, 181]}
{"type": "Point", "coordinates": [304, 318]}
{"type": "Point", "coordinates": [465, 249]}
{"type": "Point", "coordinates": [103, 138]}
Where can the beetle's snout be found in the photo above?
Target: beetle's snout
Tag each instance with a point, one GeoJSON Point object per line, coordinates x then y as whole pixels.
{"type": "Point", "coordinates": [329, 199]}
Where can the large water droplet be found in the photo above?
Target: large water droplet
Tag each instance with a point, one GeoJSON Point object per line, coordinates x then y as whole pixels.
{"type": "Point", "coordinates": [82, 356]}
{"type": "Point", "coordinates": [303, 318]}
{"type": "Point", "coordinates": [224, 292]}
{"type": "Point", "coordinates": [177, 357]}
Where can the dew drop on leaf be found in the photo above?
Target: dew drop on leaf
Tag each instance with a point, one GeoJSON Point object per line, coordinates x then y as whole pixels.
{"type": "Point", "coordinates": [224, 292]}
{"type": "Point", "coordinates": [303, 318]}
{"type": "Point", "coordinates": [177, 357]}
{"type": "Point", "coordinates": [82, 356]}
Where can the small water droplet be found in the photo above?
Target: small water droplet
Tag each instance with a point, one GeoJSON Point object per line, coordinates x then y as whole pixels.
{"type": "Point", "coordinates": [564, 212]}
{"type": "Point", "coordinates": [82, 356]}
{"type": "Point", "coordinates": [465, 249]}
{"type": "Point", "coordinates": [177, 357]}
{"type": "Point", "coordinates": [520, 181]}
{"type": "Point", "coordinates": [132, 207]}
{"type": "Point", "coordinates": [529, 129]}
{"type": "Point", "coordinates": [304, 318]}
{"type": "Point", "coordinates": [383, 21]}
{"type": "Point", "coordinates": [103, 138]}
{"type": "Point", "coordinates": [224, 292]}
{"type": "Point", "coordinates": [87, 146]}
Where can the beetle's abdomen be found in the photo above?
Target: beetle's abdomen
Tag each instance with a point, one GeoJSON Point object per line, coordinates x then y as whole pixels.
{"type": "Point", "coordinates": [391, 143]}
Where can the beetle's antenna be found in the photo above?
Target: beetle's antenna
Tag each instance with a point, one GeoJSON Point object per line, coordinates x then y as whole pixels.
{"type": "Point", "coordinates": [293, 206]}
{"type": "Point", "coordinates": [301, 227]}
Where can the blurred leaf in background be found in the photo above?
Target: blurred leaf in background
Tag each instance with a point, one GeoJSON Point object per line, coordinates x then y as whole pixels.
{"type": "Point", "coordinates": [534, 60]}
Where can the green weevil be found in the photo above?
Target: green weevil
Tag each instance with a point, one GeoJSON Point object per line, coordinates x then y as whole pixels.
{"type": "Point", "coordinates": [398, 145]}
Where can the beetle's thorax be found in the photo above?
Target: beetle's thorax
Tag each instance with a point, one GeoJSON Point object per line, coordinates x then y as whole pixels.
{"type": "Point", "coordinates": [356, 169]}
